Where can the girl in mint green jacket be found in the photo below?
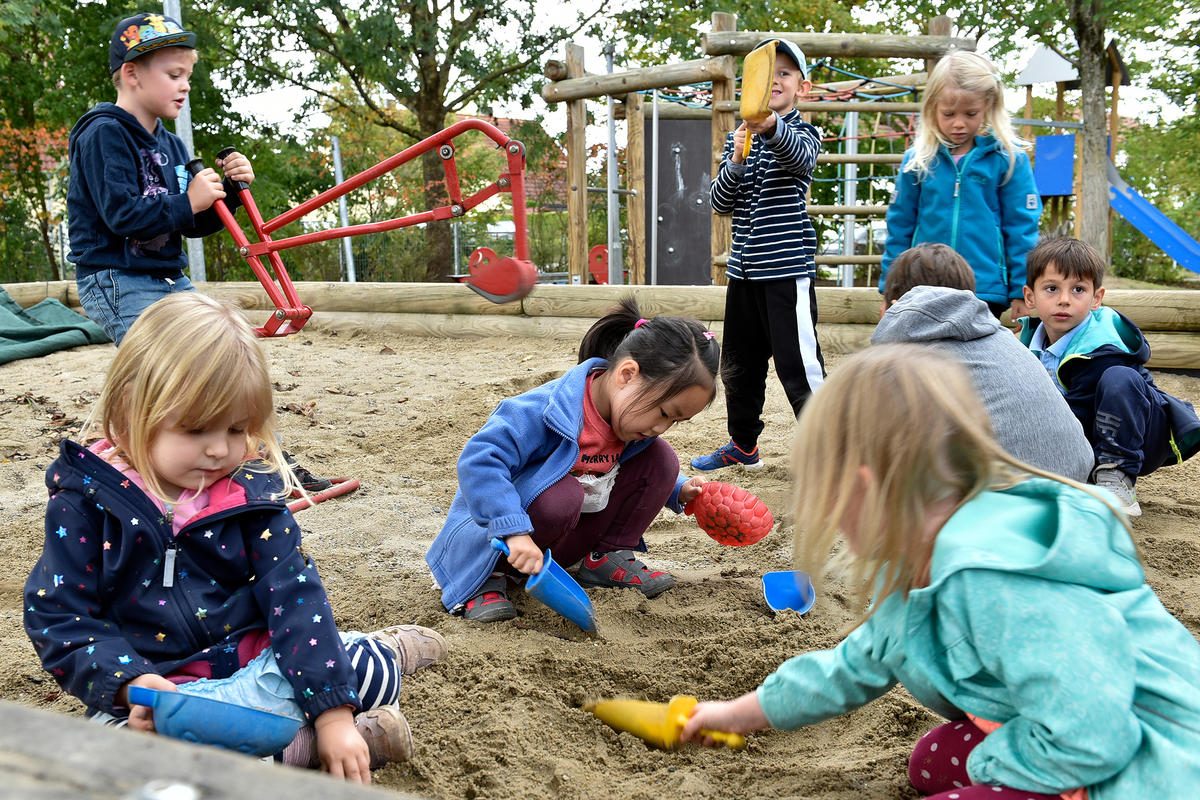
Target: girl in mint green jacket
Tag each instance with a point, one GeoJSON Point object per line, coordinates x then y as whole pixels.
{"type": "Point", "coordinates": [1007, 600]}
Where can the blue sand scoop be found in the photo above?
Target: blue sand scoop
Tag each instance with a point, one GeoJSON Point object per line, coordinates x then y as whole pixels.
{"type": "Point", "coordinates": [789, 590]}
{"type": "Point", "coordinates": [553, 586]}
{"type": "Point", "coordinates": [206, 721]}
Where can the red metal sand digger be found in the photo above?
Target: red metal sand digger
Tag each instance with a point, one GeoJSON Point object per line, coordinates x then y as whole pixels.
{"type": "Point", "coordinates": [500, 279]}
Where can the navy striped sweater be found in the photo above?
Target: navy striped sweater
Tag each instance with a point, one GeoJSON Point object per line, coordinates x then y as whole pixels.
{"type": "Point", "coordinates": [773, 237]}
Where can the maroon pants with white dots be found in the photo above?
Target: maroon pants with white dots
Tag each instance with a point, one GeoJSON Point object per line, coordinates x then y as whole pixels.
{"type": "Point", "coordinates": [938, 767]}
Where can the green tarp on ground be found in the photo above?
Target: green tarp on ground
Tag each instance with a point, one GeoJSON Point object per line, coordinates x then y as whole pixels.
{"type": "Point", "coordinates": [43, 328]}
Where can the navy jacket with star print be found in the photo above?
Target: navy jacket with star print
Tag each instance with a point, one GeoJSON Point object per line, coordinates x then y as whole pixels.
{"type": "Point", "coordinates": [116, 594]}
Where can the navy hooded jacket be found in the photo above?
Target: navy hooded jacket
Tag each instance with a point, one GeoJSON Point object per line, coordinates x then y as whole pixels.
{"type": "Point", "coordinates": [116, 594]}
{"type": "Point", "coordinates": [127, 204]}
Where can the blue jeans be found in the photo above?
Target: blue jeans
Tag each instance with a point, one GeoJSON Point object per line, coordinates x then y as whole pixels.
{"type": "Point", "coordinates": [114, 298]}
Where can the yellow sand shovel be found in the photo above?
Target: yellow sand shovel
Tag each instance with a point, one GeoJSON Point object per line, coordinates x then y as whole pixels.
{"type": "Point", "coordinates": [658, 724]}
{"type": "Point", "coordinates": [758, 70]}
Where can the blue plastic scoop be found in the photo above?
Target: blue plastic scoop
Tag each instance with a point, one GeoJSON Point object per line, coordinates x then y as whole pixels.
{"type": "Point", "coordinates": [206, 721]}
{"type": "Point", "coordinates": [553, 586]}
{"type": "Point", "coordinates": [789, 590]}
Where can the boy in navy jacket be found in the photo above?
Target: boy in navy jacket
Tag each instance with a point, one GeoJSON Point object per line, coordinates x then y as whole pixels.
{"type": "Point", "coordinates": [130, 199]}
{"type": "Point", "coordinates": [1097, 359]}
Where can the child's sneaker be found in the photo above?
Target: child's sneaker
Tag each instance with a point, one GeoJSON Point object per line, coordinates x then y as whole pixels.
{"type": "Point", "coordinates": [622, 570]}
{"type": "Point", "coordinates": [414, 646]}
{"type": "Point", "coordinates": [728, 456]}
{"type": "Point", "coordinates": [384, 729]}
{"type": "Point", "coordinates": [491, 604]}
{"type": "Point", "coordinates": [387, 734]}
{"type": "Point", "coordinates": [1120, 485]}
{"type": "Point", "coordinates": [310, 482]}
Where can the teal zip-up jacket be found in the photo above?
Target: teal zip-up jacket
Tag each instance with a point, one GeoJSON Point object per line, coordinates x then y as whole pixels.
{"type": "Point", "coordinates": [1037, 616]}
{"type": "Point", "coordinates": [989, 219]}
{"type": "Point", "coordinates": [1108, 338]}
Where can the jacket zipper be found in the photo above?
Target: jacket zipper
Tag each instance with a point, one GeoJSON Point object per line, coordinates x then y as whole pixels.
{"type": "Point", "coordinates": [959, 168]}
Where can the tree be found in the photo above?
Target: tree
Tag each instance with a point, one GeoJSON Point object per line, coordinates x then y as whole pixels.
{"type": "Point", "coordinates": [35, 59]}
{"type": "Point", "coordinates": [1077, 30]}
{"type": "Point", "coordinates": [427, 58]}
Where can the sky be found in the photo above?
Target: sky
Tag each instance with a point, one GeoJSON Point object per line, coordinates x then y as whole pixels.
{"type": "Point", "coordinates": [274, 107]}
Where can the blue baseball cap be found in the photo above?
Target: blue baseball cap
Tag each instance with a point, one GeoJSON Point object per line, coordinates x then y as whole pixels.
{"type": "Point", "coordinates": [144, 33]}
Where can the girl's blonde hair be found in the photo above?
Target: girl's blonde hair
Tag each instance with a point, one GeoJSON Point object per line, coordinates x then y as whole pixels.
{"type": "Point", "coordinates": [196, 357]}
{"type": "Point", "coordinates": [972, 73]}
{"type": "Point", "coordinates": [910, 415]}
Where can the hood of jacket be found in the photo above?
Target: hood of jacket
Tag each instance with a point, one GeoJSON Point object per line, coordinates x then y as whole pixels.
{"type": "Point", "coordinates": [1074, 538]}
{"type": "Point", "coordinates": [111, 111]}
{"type": "Point", "coordinates": [936, 313]}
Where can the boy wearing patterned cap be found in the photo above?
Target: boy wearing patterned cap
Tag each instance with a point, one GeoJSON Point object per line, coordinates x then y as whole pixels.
{"type": "Point", "coordinates": [770, 303]}
{"type": "Point", "coordinates": [130, 199]}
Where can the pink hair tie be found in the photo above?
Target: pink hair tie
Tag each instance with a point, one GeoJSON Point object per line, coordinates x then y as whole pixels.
{"type": "Point", "coordinates": [709, 335]}
{"type": "Point", "coordinates": [640, 323]}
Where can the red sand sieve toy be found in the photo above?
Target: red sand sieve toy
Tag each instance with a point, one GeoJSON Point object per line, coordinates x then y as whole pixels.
{"type": "Point", "coordinates": [498, 279]}
{"type": "Point", "coordinates": [730, 514]}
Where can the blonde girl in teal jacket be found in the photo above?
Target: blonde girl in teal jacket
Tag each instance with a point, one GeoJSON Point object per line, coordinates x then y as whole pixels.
{"type": "Point", "coordinates": [1005, 599]}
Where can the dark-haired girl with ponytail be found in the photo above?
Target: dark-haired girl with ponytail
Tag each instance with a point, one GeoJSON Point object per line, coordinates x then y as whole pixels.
{"type": "Point", "coordinates": [576, 465]}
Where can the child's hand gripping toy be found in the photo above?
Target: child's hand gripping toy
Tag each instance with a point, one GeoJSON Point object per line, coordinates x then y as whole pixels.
{"type": "Point", "coordinates": [730, 514]}
{"type": "Point", "coordinates": [658, 724]}
{"type": "Point", "coordinates": [758, 69]}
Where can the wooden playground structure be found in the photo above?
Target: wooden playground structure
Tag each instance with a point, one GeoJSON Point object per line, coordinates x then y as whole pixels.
{"type": "Point", "coordinates": [723, 48]}
{"type": "Point", "coordinates": [1169, 318]}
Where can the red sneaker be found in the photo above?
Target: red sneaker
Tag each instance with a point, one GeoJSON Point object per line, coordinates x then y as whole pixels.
{"type": "Point", "coordinates": [622, 570]}
{"type": "Point", "coordinates": [491, 604]}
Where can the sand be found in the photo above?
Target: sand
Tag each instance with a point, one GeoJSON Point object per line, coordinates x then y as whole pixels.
{"type": "Point", "coordinates": [501, 718]}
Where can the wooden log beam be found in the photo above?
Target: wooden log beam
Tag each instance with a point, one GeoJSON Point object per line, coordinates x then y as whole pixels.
{"type": "Point", "coordinates": [1157, 309]}
{"type": "Point", "coordinates": [701, 302]}
{"type": "Point", "coordinates": [873, 210]}
{"type": "Point", "coordinates": [586, 87]}
{"type": "Point", "coordinates": [841, 259]}
{"type": "Point", "coordinates": [577, 204]}
{"type": "Point", "coordinates": [817, 45]}
{"type": "Point", "coordinates": [52, 756]}
{"type": "Point", "coordinates": [30, 294]}
{"type": "Point", "coordinates": [860, 158]}
{"type": "Point", "coordinates": [837, 106]}
{"type": "Point", "coordinates": [875, 86]}
{"type": "Point", "coordinates": [665, 111]}
{"type": "Point", "coordinates": [635, 202]}
{"type": "Point", "coordinates": [724, 89]}
{"type": "Point", "coordinates": [1169, 350]}
{"type": "Point", "coordinates": [438, 298]}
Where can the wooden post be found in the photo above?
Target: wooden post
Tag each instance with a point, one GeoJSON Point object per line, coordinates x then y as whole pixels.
{"type": "Point", "coordinates": [941, 25]}
{"type": "Point", "coordinates": [1027, 131]}
{"type": "Point", "coordinates": [722, 123]}
{"type": "Point", "coordinates": [635, 182]}
{"type": "Point", "coordinates": [577, 203]}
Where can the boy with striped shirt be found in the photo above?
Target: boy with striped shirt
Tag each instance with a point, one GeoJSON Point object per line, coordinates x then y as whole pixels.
{"type": "Point", "coordinates": [770, 303]}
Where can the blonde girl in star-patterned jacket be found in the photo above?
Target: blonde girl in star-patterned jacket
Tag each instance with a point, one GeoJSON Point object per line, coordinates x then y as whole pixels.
{"type": "Point", "coordinates": [171, 560]}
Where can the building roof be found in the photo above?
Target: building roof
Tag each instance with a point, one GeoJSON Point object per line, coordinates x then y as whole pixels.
{"type": "Point", "coordinates": [1047, 66]}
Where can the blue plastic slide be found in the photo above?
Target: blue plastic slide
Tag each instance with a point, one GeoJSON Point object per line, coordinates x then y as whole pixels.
{"type": "Point", "coordinates": [1157, 227]}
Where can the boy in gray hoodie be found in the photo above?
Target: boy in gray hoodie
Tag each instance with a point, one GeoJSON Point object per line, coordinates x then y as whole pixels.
{"type": "Point", "coordinates": [929, 298]}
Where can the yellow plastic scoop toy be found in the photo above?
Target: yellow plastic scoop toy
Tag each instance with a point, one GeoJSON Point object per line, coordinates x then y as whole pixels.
{"type": "Point", "coordinates": [758, 70]}
{"type": "Point", "coordinates": [658, 724]}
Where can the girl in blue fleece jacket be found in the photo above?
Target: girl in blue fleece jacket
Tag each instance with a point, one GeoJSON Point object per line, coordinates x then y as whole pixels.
{"type": "Point", "coordinates": [172, 562]}
{"type": "Point", "coordinates": [576, 465]}
{"type": "Point", "coordinates": [1005, 599]}
{"type": "Point", "coordinates": [966, 182]}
